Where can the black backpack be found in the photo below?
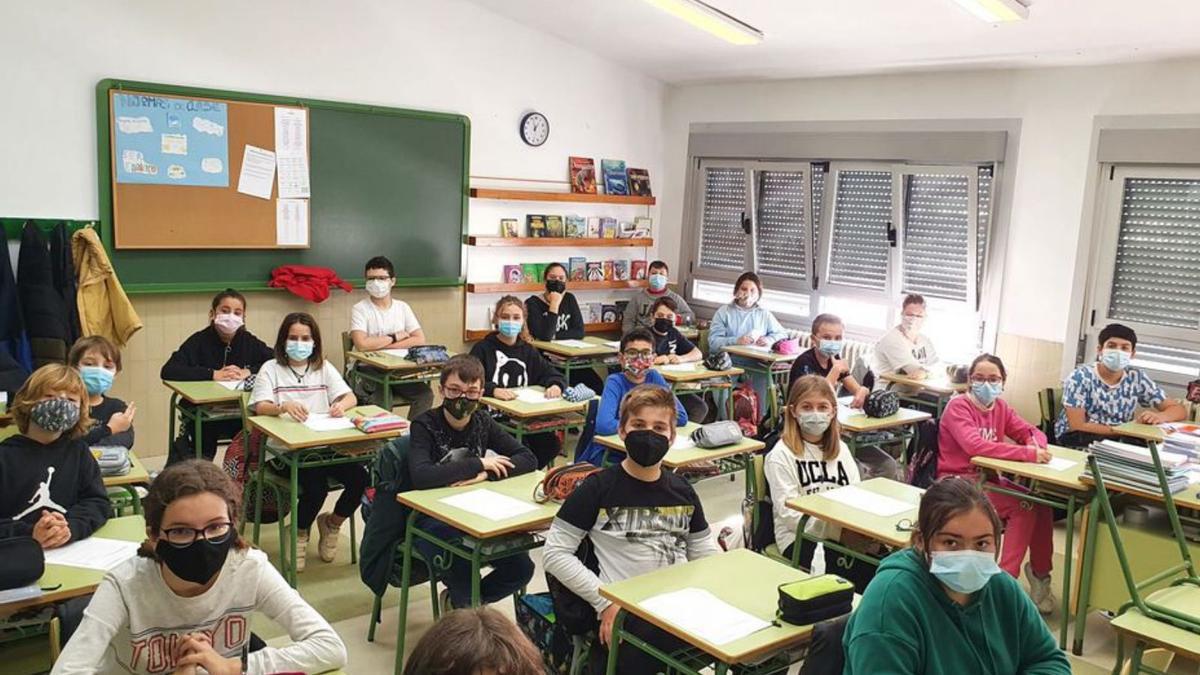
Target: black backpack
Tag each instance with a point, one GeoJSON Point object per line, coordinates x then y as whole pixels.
{"type": "Point", "coordinates": [574, 614]}
{"type": "Point", "coordinates": [923, 455]}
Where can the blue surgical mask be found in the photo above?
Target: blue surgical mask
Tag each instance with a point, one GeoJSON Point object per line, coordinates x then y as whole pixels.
{"type": "Point", "coordinates": [658, 282]}
{"type": "Point", "coordinates": [814, 423]}
{"type": "Point", "coordinates": [963, 571]}
{"type": "Point", "coordinates": [298, 350]}
{"type": "Point", "coordinates": [509, 328]}
{"type": "Point", "coordinates": [1114, 359]}
{"type": "Point", "coordinates": [987, 392]}
{"type": "Point", "coordinates": [97, 379]}
{"type": "Point", "coordinates": [830, 347]}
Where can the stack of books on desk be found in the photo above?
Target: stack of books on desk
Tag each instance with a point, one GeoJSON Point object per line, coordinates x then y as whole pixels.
{"type": "Point", "coordinates": [1184, 439]}
{"type": "Point", "coordinates": [1132, 466]}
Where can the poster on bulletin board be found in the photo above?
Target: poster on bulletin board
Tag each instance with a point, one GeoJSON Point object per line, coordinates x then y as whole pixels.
{"type": "Point", "coordinates": [164, 140]}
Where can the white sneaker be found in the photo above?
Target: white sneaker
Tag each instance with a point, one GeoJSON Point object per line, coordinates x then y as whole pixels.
{"type": "Point", "coordinates": [1040, 592]}
{"type": "Point", "coordinates": [301, 550]}
{"type": "Point", "coordinates": [327, 538]}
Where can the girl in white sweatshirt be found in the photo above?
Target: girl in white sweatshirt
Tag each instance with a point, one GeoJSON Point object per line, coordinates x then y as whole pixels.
{"type": "Point", "coordinates": [184, 604]}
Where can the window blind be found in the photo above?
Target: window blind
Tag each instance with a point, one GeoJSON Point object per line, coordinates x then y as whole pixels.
{"type": "Point", "coordinates": [722, 239]}
{"type": "Point", "coordinates": [937, 222]}
{"type": "Point", "coordinates": [983, 216]}
{"type": "Point", "coordinates": [1158, 253]}
{"type": "Point", "coordinates": [780, 231]}
{"type": "Point", "coordinates": [862, 212]}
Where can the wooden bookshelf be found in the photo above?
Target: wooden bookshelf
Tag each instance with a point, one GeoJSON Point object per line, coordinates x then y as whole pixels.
{"type": "Point", "coordinates": [571, 286]}
{"type": "Point", "coordinates": [471, 335]}
{"type": "Point", "coordinates": [569, 242]}
{"type": "Point", "coordinates": [535, 196]}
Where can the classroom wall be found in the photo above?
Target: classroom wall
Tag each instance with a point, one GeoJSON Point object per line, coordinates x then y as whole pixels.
{"type": "Point", "coordinates": [1056, 107]}
{"type": "Point", "coordinates": [447, 55]}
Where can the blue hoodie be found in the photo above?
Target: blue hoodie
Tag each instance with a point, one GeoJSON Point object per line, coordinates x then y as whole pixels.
{"type": "Point", "coordinates": [608, 415]}
{"type": "Point", "coordinates": [732, 321]}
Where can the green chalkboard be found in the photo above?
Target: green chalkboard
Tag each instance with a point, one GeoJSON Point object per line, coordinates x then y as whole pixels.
{"type": "Point", "coordinates": [384, 181]}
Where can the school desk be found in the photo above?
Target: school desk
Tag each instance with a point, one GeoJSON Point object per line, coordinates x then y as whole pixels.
{"type": "Point", "coordinates": [1152, 633]}
{"type": "Point", "coordinates": [1055, 488]}
{"type": "Point", "coordinates": [298, 447]}
{"type": "Point", "coordinates": [385, 370]}
{"type": "Point", "coordinates": [892, 531]}
{"type": "Point", "coordinates": [209, 401]}
{"type": "Point", "coordinates": [935, 383]}
{"type": "Point", "coordinates": [696, 378]}
{"type": "Point", "coordinates": [774, 367]}
{"type": "Point", "coordinates": [729, 459]}
{"type": "Point", "coordinates": [73, 582]}
{"type": "Point", "coordinates": [568, 358]}
{"type": "Point", "coordinates": [137, 476]}
{"type": "Point", "coordinates": [902, 424]}
{"type": "Point", "coordinates": [485, 539]}
{"type": "Point", "coordinates": [741, 578]}
{"type": "Point", "coordinates": [557, 414]}
{"type": "Point", "coordinates": [1141, 432]}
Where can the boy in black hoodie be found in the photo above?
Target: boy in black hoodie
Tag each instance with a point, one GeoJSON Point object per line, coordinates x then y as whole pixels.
{"type": "Point", "coordinates": [510, 362]}
{"type": "Point", "coordinates": [450, 446]}
{"type": "Point", "coordinates": [223, 351]}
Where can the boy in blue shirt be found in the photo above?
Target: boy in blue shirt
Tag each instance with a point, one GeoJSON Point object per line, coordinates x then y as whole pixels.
{"type": "Point", "coordinates": [637, 367]}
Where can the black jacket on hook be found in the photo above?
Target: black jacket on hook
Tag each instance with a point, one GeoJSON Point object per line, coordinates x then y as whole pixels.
{"type": "Point", "coordinates": [62, 268]}
{"type": "Point", "coordinates": [46, 317]}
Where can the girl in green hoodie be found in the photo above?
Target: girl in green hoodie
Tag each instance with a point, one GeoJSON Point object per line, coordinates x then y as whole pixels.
{"type": "Point", "coordinates": [942, 607]}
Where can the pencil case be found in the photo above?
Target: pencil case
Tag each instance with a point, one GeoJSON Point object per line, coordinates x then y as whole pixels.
{"type": "Point", "coordinates": [379, 423]}
{"type": "Point", "coordinates": [815, 599]}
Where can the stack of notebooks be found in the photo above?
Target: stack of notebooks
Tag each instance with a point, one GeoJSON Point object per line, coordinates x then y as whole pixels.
{"type": "Point", "coordinates": [1132, 466]}
{"type": "Point", "coordinates": [1185, 440]}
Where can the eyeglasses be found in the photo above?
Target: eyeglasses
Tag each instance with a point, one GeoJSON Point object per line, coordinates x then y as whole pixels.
{"type": "Point", "coordinates": [987, 380]}
{"type": "Point", "coordinates": [455, 392]}
{"type": "Point", "coordinates": [215, 533]}
{"type": "Point", "coordinates": [638, 353]}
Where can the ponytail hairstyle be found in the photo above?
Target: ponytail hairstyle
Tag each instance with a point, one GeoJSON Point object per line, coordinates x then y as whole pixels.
{"type": "Point", "coordinates": [802, 388]}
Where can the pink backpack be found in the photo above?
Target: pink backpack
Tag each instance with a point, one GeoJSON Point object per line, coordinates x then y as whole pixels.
{"type": "Point", "coordinates": [746, 409]}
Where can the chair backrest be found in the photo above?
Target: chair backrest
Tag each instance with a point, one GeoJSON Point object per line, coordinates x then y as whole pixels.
{"type": "Point", "coordinates": [589, 428]}
{"type": "Point", "coordinates": [762, 514]}
{"type": "Point", "coordinates": [1050, 406]}
{"type": "Point", "coordinates": [347, 347]}
{"type": "Point", "coordinates": [826, 654]}
{"type": "Point", "coordinates": [389, 471]}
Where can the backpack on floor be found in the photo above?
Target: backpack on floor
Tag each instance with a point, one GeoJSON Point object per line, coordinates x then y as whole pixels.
{"type": "Point", "coordinates": [240, 462]}
{"type": "Point", "coordinates": [746, 409]}
{"type": "Point", "coordinates": [923, 455]}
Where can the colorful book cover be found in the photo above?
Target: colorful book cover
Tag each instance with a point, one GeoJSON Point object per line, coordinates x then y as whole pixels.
{"type": "Point", "coordinates": [541, 272]}
{"type": "Point", "coordinates": [535, 225]}
{"type": "Point", "coordinates": [620, 270]}
{"type": "Point", "coordinates": [637, 270]}
{"type": "Point", "coordinates": [576, 226]}
{"type": "Point", "coordinates": [577, 266]}
{"type": "Point", "coordinates": [554, 227]}
{"type": "Point", "coordinates": [608, 314]}
{"type": "Point", "coordinates": [624, 230]}
{"type": "Point", "coordinates": [592, 312]}
{"type": "Point", "coordinates": [643, 226]}
{"type": "Point", "coordinates": [513, 274]}
{"type": "Point", "coordinates": [615, 182]}
{"type": "Point", "coordinates": [595, 270]}
{"type": "Point", "coordinates": [509, 228]}
{"type": "Point", "coordinates": [593, 227]}
{"type": "Point", "coordinates": [621, 305]}
{"type": "Point", "coordinates": [529, 272]}
{"type": "Point", "coordinates": [583, 175]}
{"type": "Point", "coordinates": [608, 228]}
{"type": "Point", "coordinates": [608, 270]}
{"type": "Point", "coordinates": [639, 182]}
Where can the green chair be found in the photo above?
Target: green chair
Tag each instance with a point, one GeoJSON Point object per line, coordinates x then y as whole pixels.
{"type": "Point", "coordinates": [351, 374]}
{"type": "Point", "coordinates": [761, 509]}
{"type": "Point", "coordinates": [1050, 405]}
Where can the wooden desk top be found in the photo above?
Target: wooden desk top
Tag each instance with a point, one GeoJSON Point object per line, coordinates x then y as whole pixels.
{"type": "Point", "coordinates": [526, 410]}
{"type": "Point", "coordinates": [695, 373]}
{"type": "Point", "coordinates": [761, 355]}
{"type": "Point", "coordinates": [204, 392]}
{"type": "Point", "coordinates": [138, 475]}
{"type": "Point", "coordinates": [1144, 432]}
{"type": "Point", "coordinates": [878, 528]}
{"type": "Point", "coordinates": [294, 435]}
{"type": "Point", "coordinates": [600, 347]}
{"type": "Point", "coordinates": [382, 361]}
{"type": "Point", "coordinates": [855, 421]}
{"type": "Point", "coordinates": [934, 383]}
{"type": "Point", "coordinates": [520, 487]}
{"type": "Point", "coordinates": [1067, 478]}
{"type": "Point", "coordinates": [683, 456]}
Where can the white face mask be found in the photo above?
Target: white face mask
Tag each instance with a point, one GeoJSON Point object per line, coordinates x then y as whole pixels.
{"type": "Point", "coordinates": [379, 288]}
{"type": "Point", "coordinates": [912, 324]}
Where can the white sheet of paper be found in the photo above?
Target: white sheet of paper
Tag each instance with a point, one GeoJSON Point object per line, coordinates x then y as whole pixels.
{"type": "Point", "coordinates": [704, 615]}
{"type": "Point", "coordinates": [683, 442]}
{"type": "Point", "coordinates": [615, 344]}
{"type": "Point", "coordinates": [291, 222]}
{"type": "Point", "coordinates": [398, 353]}
{"type": "Point", "coordinates": [578, 344]}
{"type": "Point", "coordinates": [490, 505]}
{"type": "Point", "coordinates": [1059, 464]}
{"type": "Point", "coordinates": [865, 500]}
{"type": "Point", "coordinates": [759, 348]}
{"type": "Point", "coordinates": [323, 422]}
{"type": "Point", "coordinates": [678, 367]}
{"type": "Point", "coordinates": [531, 396]}
{"type": "Point", "coordinates": [94, 553]}
{"type": "Point", "coordinates": [257, 176]}
{"type": "Point", "coordinates": [231, 385]}
{"type": "Point", "coordinates": [291, 152]}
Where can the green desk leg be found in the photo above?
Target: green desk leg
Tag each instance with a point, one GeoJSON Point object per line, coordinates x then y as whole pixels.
{"type": "Point", "coordinates": [614, 642]}
{"type": "Point", "coordinates": [134, 497]}
{"type": "Point", "coordinates": [294, 523]}
{"type": "Point", "coordinates": [387, 390]}
{"type": "Point", "coordinates": [172, 411]}
{"type": "Point", "coordinates": [1067, 559]}
{"type": "Point", "coordinates": [1085, 576]}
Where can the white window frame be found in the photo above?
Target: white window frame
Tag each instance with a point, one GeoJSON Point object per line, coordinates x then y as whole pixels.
{"type": "Point", "coordinates": [698, 269]}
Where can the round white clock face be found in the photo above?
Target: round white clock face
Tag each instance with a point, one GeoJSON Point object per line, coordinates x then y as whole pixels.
{"type": "Point", "coordinates": [535, 128]}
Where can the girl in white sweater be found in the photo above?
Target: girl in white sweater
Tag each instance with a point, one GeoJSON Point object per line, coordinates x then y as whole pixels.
{"type": "Point", "coordinates": [184, 604]}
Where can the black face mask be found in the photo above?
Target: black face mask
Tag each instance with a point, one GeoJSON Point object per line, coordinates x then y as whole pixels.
{"type": "Point", "coordinates": [662, 324]}
{"type": "Point", "coordinates": [646, 447]}
{"type": "Point", "coordinates": [556, 285]}
{"type": "Point", "coordinates": [460, 408]}
{"type": "Point", "coordinates": [199, 561]}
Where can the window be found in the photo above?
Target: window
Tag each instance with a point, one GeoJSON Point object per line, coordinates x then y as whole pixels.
{"type": "Point", "coordinates": [1145, 275]}
{"type": "Point", "coordinates": [722, 238]}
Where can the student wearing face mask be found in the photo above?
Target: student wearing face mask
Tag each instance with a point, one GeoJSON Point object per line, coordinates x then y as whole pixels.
{"type": "Point", "coordinates": [943, 607]}
{"type": "Point", "coordinates": [510, 363]}
{"type": "Point", "coordinates": [744, 322]}
{"type": "Point", "coordinates": [639, 312]}
{"type": "Point", "coordinates": [671, 347]}
{"type": "Point", "coordinates": [380, 321]}
{"type": "Point", "coordinates": [185, 602]}
{"type": "Point", "coordinates": [223, 351]}
{"type": "Point", "coordinates": [1107, 393]}
{"type": "Point", "coordinates": [458, 443]}
{"type": "Point", "coordinates": [810, 458]}
{"type": "Point", "coordinates": [905, 349]}
{"type": "Point", "coordinates": [98, 362]}
{"type": "Point", "coordinates": [637, 368]}
{"type": "Point", "coordinates": [299, 382]}
{"type": "Point", "coordinates": [638, 517]}
{"type": "Point", "coordinates": [555, 315]}
{"type": "Point", "coordinates": [980, 423]}
{"type": "Point", "coordinates": [824, 358]}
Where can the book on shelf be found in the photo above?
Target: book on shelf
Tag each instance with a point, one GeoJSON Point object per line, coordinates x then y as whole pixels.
{"type": "Point", "coordinates": [621, 305]}
{"type": "Point", "coordinates": [608, 314]}
{"type": "Point", "coordinates": [608, 228]}
{"type": "Point", "coordinates": [541, 271]}
{"type": "Point", "coordinates": [577, 267]}
{"type": "Point", "coordinates": [530, 273]}
{"type": "Point", "coordinates": [576, 226]}
{"type": "Point", "coordinates": [608, 270]}
{"type": "Point", "coordinates": [639, 182]}
{"type": "Point", "coordinates": [592, 312]}
{"type": "Point", "coordinates": [535, 225]}
{"type": "Point", "coordinates": [595, 270]}
{"type": "Point", "coordinates": [593, 227]}
{"type": "Point", "coordinates": [637, 270]}
{"type": "Point", "coordinates": [643, 226]}
{"type": "Point", "coordinates": [620, 270]}
{"type": "Point", "coordinates": [583, 175]}
{"type": "Point", "coordinates": [513, 274]}
{"type": "Point", "coordinates": [510, 228]}
{"type": "Point", "coordinates": [554, 227]}
{"type": "Point", "coordinates": [615, 181]}
{"type": "Point", "coordinates": [625, 230]}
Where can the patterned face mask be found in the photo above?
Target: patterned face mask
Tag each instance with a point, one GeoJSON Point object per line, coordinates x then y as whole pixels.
{"type": "Point", "coordinates": [55, 415]}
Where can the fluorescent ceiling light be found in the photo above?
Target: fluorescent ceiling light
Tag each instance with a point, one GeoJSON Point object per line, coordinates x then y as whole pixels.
{"type": "Point", "coordinates": [712, 20]}
{"type": "Point", "coordinates": [996, 11]}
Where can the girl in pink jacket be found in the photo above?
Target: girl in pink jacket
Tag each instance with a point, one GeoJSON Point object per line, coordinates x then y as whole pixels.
{"type": "Point", "coordinates": [981, 423]}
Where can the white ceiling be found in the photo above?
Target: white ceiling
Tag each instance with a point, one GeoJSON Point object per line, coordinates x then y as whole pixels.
{"type": "Point", "coordinates": [807, 38]}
